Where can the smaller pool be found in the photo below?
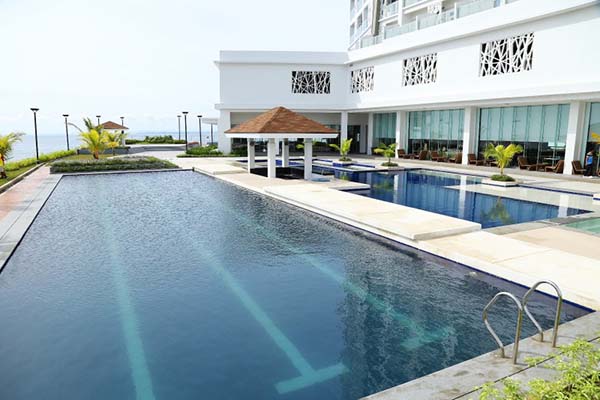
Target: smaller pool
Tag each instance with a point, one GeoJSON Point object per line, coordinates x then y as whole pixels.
{"type": "Point", "coordinates": [591, 225]}
{"type": "Point", "coordinates": [448, 194]}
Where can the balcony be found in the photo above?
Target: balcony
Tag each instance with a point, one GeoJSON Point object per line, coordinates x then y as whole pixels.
{"type": "Point", "coordinates": [460, 10]}
{"type": "Point", "coordinates": [390, 10]}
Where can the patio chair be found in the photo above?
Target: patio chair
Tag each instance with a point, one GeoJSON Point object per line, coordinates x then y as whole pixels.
{"type": "Point", "coordinates": [401, 153]}
{"type": "Point", "coordinates": [474, 161]}
{"type": "Point", "coordinates": [435, 156]}
{"type": "Point", "coordinates": [423, 155]}
{"type": "Point", "coordinates": [456, 159]}
{"type": "Point", "coordinates": [577, 168]}
{"type": "Point", "coordinates": [558, 168]}
{"type": "Point", "coordinates": [523, 164]}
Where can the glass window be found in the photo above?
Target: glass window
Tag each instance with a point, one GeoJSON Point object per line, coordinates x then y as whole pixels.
{"type": "Point", "coordinates": [593, 137]}
{"type": "Point", "coordinates": [437, 130]}
{"type": "Point", "coordinates": [541, 130]}
{"type": "Point", "coordinates": [384, 128]}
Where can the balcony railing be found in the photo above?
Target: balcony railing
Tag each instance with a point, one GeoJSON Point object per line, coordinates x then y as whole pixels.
{"type": "Point", "coordinates": [389, 10]}
{"type": "Point", "coordinates": [459, 11]}
{"type": "Point", "coordinates": [408, 3]}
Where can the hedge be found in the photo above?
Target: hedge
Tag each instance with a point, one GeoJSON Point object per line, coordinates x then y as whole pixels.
{"type": "Point", "coordinates": [166, 139]}
{"type": "Point", "coordinates": [26, 162]}
{"type": "Point", "coordinates": [110, 164]}
{"type": "Point", "coordinates": [200, 151]}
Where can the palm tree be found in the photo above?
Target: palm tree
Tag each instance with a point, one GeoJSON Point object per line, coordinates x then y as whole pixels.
{"type": "Point", "coordinates": [6, 147]}
{"type": "Point", "coordinates": [344, 149]}
{"type": "Point", "coordinates": [502, 154]}
{"type": "Point", "coordinates": [95, 141]}
{"type": "Point", "coordinates": [113, 140]}
{"type": "Point", "coordinates": [387, 151]}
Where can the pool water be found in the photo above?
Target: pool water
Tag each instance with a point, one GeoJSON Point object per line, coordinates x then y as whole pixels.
{"type": "Point", "coordinates": [437, 192]}
{"type": "Point", "coordinates": [172, 285]}
{"type": "Point", "coordinates": [591, 225]}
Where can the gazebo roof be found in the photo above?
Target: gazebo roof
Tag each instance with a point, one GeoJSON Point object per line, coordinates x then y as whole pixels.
{"type": "Point", "coordinates": [113, 126]}
{"type": "Point", "coordinates": [281, 122]}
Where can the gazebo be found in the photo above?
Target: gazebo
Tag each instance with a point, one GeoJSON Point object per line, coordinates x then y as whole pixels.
{"type": "Point", "coordinates": [113, 126]}
{"type": "Point", "coordinates": [281, 124]}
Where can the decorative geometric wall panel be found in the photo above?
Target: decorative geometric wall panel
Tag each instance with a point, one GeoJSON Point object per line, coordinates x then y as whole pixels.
{"type": "Point", "coordinates": [311, 82]}
{"type": "Point", "coordinates": [420, 70]}
{"type": "Point", "coordinates": [362, 80]}
{"type": "Point", "coordinates": [514, 54]}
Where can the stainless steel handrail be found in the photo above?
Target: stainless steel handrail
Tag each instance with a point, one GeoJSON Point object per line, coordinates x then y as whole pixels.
{"type": "Point", "coordinates": [519, 322]}
{"type": "Point", "coordinates": [558, 309]}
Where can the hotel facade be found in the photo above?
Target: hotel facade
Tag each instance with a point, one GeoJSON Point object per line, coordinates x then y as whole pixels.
{"type": "Point", "coordinates": [439, 75]}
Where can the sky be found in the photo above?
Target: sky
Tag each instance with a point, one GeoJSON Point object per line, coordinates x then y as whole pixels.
{"type": "Point", "coordinates": [147, 60]}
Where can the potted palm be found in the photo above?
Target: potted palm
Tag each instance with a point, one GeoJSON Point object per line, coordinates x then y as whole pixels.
{"type": "Point", "coordinates": [388, 151]}
{"type": "Point", "coordinates": [344, 149]}
{"type": "Point", "coordinates": [503, 156]}
{"type": "Point", "coordinates": [6, 147]}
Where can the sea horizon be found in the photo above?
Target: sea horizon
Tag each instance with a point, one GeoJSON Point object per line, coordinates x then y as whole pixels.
{"type": "Point", "coordinates": [54, 142]}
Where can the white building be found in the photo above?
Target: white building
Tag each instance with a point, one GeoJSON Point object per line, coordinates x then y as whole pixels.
{"type": "Point", "coordinates": [439, 74]}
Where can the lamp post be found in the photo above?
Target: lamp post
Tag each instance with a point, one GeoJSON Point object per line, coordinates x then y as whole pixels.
{"type": "Point", "coordinates": [185, 113]}
{"type": "Point", "coordinates": [67, 129]}
{"type": "Point", "coordinates": [37, 152]}
{"type": "Point", "coordinates": [179, 126]}
{"type": "Point", "coordinates": [98, 117]}
{"type": "Point", "coordinates": [211, 134]}
{"type": "Point", "coordinates": [122, 121]}
{"type": "Point", "coordinates": [200, 128]}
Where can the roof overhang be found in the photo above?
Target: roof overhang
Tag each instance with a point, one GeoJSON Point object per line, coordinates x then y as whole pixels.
{"type": "Point", "coordinates": [282, 135]}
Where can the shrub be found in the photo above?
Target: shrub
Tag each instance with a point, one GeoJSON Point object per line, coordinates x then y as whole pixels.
{"type": "Point", "coordinates": [165, 139]}
{"type": "Point", "coordinates": [578, 367]}
{"type": "Point", "coordinates": [26, 162]}
{"type": "Point", "coordinates": [502, 178]}
{"type": "Point", "coordinates": [206, 151]}
{"type": "Point", "coordinates": [110, 164]}
{"type": "Point", "coordinates": [239, 152]}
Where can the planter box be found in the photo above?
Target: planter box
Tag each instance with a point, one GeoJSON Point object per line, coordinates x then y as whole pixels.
{"type": "Point", "coordinates": [118, 151]}
{"type": "Point", "coordinates": [342, 163]}
{"type": "Point", "coordinates": [499, 183]}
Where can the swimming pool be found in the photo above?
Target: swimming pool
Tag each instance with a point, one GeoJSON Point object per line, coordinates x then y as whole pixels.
{"type": "Point", "coordinates": [432, 191]}
{"type": "Point", "coordinates": [591, 225]}
{"type": "Point", "coordinates": [172, 285]}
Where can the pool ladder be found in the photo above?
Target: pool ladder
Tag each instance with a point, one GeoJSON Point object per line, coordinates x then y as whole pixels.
{"type": "Point", "coordinates": [522, 309]}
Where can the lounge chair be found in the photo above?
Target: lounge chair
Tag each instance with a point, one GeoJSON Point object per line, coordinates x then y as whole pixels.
{"type": "Point", "coordinates": [435, 156]}
{"type": "Point", "coordinates": [402, 154]}
{"type": "Point", "coordinates": [423, 155]}
{"type": "Point", "coordinates": [558, 168]}
{"type": "Point", "coordinates": [577, 168]}
{"type": "Point", "coordinates": [523, 164]}
{"type": "Point", "coordinates": [474, 161]}
{"type": "Point", "coordinates": [457, 158]}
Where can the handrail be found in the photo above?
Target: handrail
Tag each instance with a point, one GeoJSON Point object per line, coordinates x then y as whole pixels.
{"type": "Point", "coordinates": [519, 322]}
{"type": "Point", "coordinates": [558, 309]}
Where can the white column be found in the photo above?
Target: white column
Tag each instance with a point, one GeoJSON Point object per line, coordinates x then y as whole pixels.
{"type": "Point", "coordinates": [251, 154]}
{"type": "Point", "coordinates": [285, 153]}
{"type": "Point", "coordinates": [470, 134]}
{"type": "Point", "coordinates": [224, 124]}
{"type": "Point", "coordinates": [343, 127]}
{"type": "Point", "coordinates": [575, 133]}
{"type": "Point", "coordinates": [308, 156]}
{"type": "Point", "coordinates": [370, 134]}
{"type": "Point", "coordinates": [401, 134]}
{"type": "Point", "coordinates": [271, 156]}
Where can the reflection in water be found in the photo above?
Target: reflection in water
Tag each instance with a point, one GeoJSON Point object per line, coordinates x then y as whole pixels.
{"type": "Point", "coordinates": [447, 194]}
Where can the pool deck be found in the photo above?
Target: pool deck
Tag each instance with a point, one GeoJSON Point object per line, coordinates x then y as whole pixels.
{"type": "Point", "coordinates": [522, 253]}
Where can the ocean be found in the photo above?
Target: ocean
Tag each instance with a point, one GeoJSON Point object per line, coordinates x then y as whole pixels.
{"type": "Point", "coordinates": [52, 142]}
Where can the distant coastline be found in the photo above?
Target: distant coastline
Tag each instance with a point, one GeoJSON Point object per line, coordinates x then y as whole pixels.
{"type": "Point", "coordinates": [54, 142]}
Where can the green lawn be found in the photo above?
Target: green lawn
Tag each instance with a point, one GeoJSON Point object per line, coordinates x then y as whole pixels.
{"type": "Point", "coordinates": [13, 174]}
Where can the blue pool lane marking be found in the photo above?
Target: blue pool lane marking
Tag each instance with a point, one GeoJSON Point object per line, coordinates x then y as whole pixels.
{"type": "Point", "coordinates": [308, 375]}
{"type": "Point", "coordinates": [136, 355]}
{"type": "Point", "coordinates": [420, 336]}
